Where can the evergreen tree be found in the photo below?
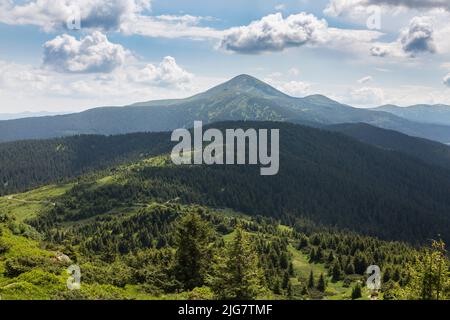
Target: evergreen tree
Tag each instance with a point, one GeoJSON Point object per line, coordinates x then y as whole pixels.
{"type": "Point", "coordinates": [194, 252]}
{"type": "Point", "coordinates": [428, 275]}
{"type": "Point", "coordinates": [311, 280]}
{"type": "Point", "coordinates": [321, 285]}
{"type": "Point", "coordinates": [239, 276]}
{"type": "Point", "coordinates": [350, 269]}
{"type": "Point", "coordinates": [336, 272]}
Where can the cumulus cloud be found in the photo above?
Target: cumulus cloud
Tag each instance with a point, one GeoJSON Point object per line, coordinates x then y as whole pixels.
{"type": "Point", "coordinates": [337, 8]}
{"type": "Point", "coordinates": [93, 53]}
{"type": "Point", "coordinates": [26, 87]}
{"type": "Point", "coordinates": [275, 33]}
{"type": "Point", "coordinates": [167, 73]}
{"type": "Point", "coordinates": [51, 15]}
{"type": "Point", "coordinates": [419, 36]}
{"type": "Point", "coordinates": [126, 16]}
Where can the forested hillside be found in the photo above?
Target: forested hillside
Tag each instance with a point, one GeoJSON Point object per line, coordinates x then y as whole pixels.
{"type": "Point", "coordinates": [168, 250]}
{"type": "Point", "coordinates": [432, 152]}
{"type": "Point", "coordinates": [324, 176]}
{"type": "Point", "coordinates": [28, 164]}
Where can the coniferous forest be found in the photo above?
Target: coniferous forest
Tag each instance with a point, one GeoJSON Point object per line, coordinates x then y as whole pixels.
{"type": "Point", "coordinates": [138, 227]}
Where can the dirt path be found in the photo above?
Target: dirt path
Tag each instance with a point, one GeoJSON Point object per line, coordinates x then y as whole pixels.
{"type": "Point", "coordinates": [30, 201]}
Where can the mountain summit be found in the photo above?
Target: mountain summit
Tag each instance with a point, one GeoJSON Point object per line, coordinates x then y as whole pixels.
{"type": "Point", "coordinates": [241, 98]}
{"type": "Point", "coordinates": [246, 84]}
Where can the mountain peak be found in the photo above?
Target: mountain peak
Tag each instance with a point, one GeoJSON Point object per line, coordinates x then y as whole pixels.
{"type": "Point", "coordinates": [245, 83]}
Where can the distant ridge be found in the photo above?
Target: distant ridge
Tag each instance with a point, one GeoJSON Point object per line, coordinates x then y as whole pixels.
{"type": "Point", "coordinates": [437, 113]}
{"type": "Point", "coordinates": [241, 98]}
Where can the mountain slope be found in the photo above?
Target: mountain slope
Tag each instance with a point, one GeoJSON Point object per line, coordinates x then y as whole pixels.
{"type": "Point", "coordinates": [437, 114]}
{"type": "Point", "coordinates": [27, 164]}
{"type": "Point", "coordinates": [431, 152]}
{"type": "Point", "coordinates": [241, 98]}
{"type": "Point", "coordinates": [325, 177]}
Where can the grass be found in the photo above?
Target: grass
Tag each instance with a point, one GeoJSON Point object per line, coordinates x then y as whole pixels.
{"type": "Point", "coordinates": [303, 268]}
{"type": "Point", "coordinates": [28, 204]}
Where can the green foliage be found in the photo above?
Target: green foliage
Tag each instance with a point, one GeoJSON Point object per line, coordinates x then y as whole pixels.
{"type": "Point", "coordinates": [194, 252]}
{"type": "Point", "coordinates": [356, 292]}
{"type": "Point", "coordinates": [428, 275]}
{"type": "Point", "coordinates": [321, 285]}
{"type": "Point", "coordinates": [239, 276]}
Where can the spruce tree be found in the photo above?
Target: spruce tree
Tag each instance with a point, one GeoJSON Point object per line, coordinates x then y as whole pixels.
{"type": "Point", "coordinates": [321, 285]}
{"type": "Point", "coordinates": [336, 272]}
{"type": "Point", "coordinates": [238, 276]}
{"type": "Point", "coordinates": [194, 253]}
{"type": "Point", "coordinates": [311, 280]}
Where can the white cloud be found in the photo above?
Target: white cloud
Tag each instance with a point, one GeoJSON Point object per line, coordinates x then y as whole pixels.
{"type": "Point", "coordinates": [418, 37]}
{"type": "Point", "coordinates": [367, 96]}
{"type": "Point", "coordinates": [365, 80]}
{"type": "Point", "coordinates": [292, 88]}
{"type": "Point", "coordinates": [169, 27]}
{"type": "Point", "coordinates": [446, 80]}
{"type": "Point", "coordinates": [127, 16]}
{"type": "Point", "coordinates": [53, 15]}
{"type": "Point", "coordinates": [275, 33]}
{"type": "Point", "coordinates": [93, 53]}
{"type": "Point", "coordinates": [24, 87]}
{"type": "Point", "coordinates": [358, 7]}
{"type": "Point", "coordinates": [296, 88]}
{"type": "Point", "coordinates": [167, 73]}
{"type": "Point", "coordinates": [340, 7]}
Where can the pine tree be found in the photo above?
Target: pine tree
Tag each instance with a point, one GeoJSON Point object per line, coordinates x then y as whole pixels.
{"type": "Point", "coordinates": [238, 276]}
{"type": "Point", "coordinates": [350, 269]}
{"type": "Point", "coordinates": [194, 251]}
{"type": "Point", "coordinates": [311, 280]}
{"type": "Point", "coordinates": [321, 285]}
{"type": "Point", "coordinates": [336, 272]}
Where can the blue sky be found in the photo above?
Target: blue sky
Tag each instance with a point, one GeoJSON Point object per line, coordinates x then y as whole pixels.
{"type": "Point", "coordinates": [136, 50]}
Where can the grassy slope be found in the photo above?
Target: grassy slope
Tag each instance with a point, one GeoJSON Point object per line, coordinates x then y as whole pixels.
{"type": "Point", "coordinates": [40, 284]}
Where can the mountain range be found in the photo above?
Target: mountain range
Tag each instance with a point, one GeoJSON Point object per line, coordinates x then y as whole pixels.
{"type": "Point", "coordinates": [436, 114]}
{"type": "Point", "coordinates": [242, 98]}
